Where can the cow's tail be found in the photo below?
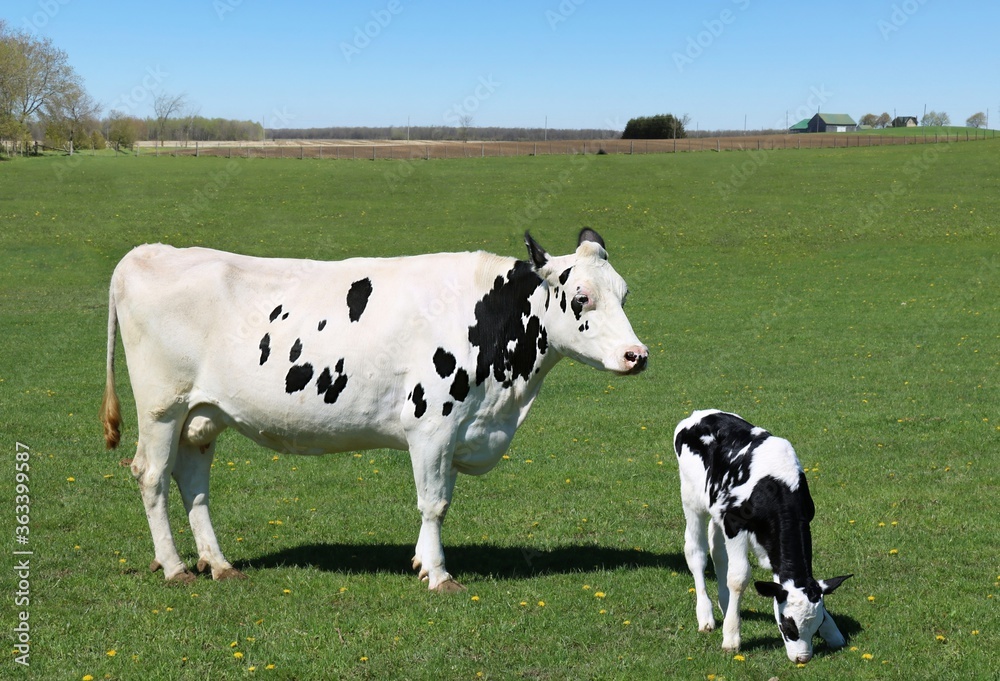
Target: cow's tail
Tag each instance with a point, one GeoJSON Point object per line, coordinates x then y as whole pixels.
{"type": "Point", "coordinates": [111, 415]}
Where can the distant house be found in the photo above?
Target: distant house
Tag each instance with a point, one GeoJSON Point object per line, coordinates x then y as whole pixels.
{"type": "Point", "coordinates": [822, 122]}
{"type": "Point", "coordinates": [801, 126]}
{"type": "Point", "coordinates": [904, 122]}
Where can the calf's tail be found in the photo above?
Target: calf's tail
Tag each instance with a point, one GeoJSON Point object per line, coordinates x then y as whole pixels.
{"type": "Point", "coordinates": [111, 415]}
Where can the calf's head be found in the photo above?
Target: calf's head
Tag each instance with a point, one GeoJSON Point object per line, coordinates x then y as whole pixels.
{"type": "Point", "coordinates": [801, 614]}
{"type": "Point", "coordinates": [584, 318]}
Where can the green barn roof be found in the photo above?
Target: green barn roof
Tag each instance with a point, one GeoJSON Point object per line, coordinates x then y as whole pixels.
{"type": "Point", "coordinates": [837, 119]}
{"type": "Point", "coordinates": [801, 125]}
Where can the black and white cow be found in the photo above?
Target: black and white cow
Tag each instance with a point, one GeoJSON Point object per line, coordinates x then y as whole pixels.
{"type": "Point", "coordinates": [440, 355]}
{"type": "Point", "coordinates": [747, 489]}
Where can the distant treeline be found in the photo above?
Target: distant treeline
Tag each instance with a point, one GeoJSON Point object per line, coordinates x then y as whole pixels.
{"type": "Point", "coordinates": [417, 132]}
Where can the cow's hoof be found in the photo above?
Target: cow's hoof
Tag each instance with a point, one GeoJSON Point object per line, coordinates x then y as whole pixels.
{"type": "Point", "coordinates": [449, 586]}
{"type": "Point", "coordinates": [202, 566]}
{"type": "Point", "coordinates": [183, 577]}
{"type": "Point", "coordinates": [227, 573]}
{"type": "Point", "coordinates": [155, 565]}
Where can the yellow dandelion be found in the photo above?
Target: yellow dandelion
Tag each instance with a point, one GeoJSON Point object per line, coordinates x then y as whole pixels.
{"type": "Point", "coordinates": [871, 599]}
{"type": "Point", "coordinates": [599, 594]}
{"type": "Point", "coordinates": [233, 644]}
{"type": "Point", "coordinates": [626, 623]}
{"type": "Point", "coordinates": [586, 587]}
{"type": "Point", "coordinates": [475, 598]}
{"type": "Point", "coordinates": [270, 666]}
{"type": "Point", "coordinates": [854, 649]}
{"type": "Point", "coordinates": [602, 611]}
{"type": "Point", "coordinates": [111, 653]}
{"type": "Point", "coordinates": [238, 655]}
{"type": "Point", "coordinates": [541, 604]}
{"type": "Point", "coordinates": [88, 677]}
{"type": "Point", "coordinates": [364, 659]}
{"type": "Point", "coordinates": [975, 632]}
{"type": "Point", "coordinates": [893, 552]}
{"type": "Point", "coordinates": [71, 479]}
{"type": "Point", "coordinates": [739, 658]}
{"type": "Point", "coordinates": [523, 603]}
{"type": "Point", "coordinates": [940, 638]}
{"type": "Point", "coordinates": [287, 591]}
{"type": "Point", "coordinates": [867, 656]}
{"type": "Point", "coordinates": [251, 668]}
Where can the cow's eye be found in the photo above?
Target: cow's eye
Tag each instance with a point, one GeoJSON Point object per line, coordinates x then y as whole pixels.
{"type": "Point", "coordinates": [581, 299]}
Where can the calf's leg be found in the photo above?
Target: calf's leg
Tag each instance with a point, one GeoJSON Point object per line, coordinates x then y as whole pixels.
{"type": "Point", "coordinates": [696, 554]}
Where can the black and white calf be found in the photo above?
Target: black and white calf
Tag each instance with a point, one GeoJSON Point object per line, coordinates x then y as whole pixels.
{"type": "Point", "coordinates": [744, 488]}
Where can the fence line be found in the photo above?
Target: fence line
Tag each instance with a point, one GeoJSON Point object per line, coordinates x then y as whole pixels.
{"type": "Point", "coordinates": [387, 150]}
{"type": "Point", "coordinates": [394, 150]}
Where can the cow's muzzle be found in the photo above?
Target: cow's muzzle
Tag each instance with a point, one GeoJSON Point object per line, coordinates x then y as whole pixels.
{"type": "Point", "coordinates": [635, 359]}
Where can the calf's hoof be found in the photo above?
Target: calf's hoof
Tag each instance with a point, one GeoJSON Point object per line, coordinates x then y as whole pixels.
{"type": "Point", "coordinates": [449, 586]}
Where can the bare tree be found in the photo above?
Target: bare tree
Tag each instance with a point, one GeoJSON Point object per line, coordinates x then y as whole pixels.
{"type": "Point", "coordinates": [464, 123]}
{"type": "Point", "coordinates": [166, 105]}
{"type": "Point", "coordinates": [935, 118]}
{"type": "Point", "coordinates": [976, 120]}
{"type": "Point", "coordinates": [883, 121]}
{"type": "Point", "coordinates": [869, 119]}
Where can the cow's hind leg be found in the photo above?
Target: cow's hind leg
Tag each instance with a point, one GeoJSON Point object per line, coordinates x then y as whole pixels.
{"type": "Point", "coordinates": [696, 554]}
{"type": "Point", "coordinates": [192, 471]}
{"type": "Point", "coordinates": [153, 463]}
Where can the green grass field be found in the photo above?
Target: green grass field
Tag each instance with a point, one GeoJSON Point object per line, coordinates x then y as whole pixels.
{"type": "Point", "coordinates": [845, 299]}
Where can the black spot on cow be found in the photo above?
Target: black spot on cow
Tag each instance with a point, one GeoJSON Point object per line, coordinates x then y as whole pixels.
{"type": "Point", "coordinates": [543, 342]}
{"type": "Point", "coordinates": [584, 326]}
{"type": "Point", "coordinates": [330, 388]}
{"type": "Point", "coordinates": [444, 362]}
{"type": "Point", "coordinates": [507, 344]}
{"type": "Point", "coordinates": [297, 378]}
{"type": "Point", "coordinates": [265, 348]}
{"type": "Point", "coordinates": [419, 403]}
{"type": "Point", "coordinates": [577, 308]}
{"type": "Point", "coordinates": [296, 350]}
{"type": "Point", "coordinates": [357, 298]}
{"type": "Point", "coordinates": [562, 302]}
{"type": "Point", "coordinates": [322, 325]}
{"type": "Point", "coordinates": [564, 277]}
{"type": "Point", "coordinates": [274, 313]}
{"type": "Point", "coordinates": [446, 409]}
{"type": "Point", "coordinates": [460, 385]}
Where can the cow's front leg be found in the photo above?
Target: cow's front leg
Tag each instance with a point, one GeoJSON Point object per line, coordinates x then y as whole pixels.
{"type": "Point", "coordinates": [435, 481]}
{"type": "Point", "coordinates": [737, 577]}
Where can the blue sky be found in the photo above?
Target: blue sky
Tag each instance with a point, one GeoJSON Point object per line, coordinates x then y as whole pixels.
{"type": "Point", "coordinates": [574, 63]}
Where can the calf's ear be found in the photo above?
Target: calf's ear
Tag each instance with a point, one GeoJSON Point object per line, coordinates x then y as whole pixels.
{"type": "Point", "coordinates": [587, 234]}
{"type": "Point", "coordinates": [537, 254]}
{"type": "Point", "coordinates": [830, 585]}
{"type": "Point", "coordinates": [771, 590]}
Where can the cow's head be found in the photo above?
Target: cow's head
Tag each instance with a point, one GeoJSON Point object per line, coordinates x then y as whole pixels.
{"type": "Point", "coordinates": [801, 614]}
{"type": "Point", "coordinates": [584, 317]}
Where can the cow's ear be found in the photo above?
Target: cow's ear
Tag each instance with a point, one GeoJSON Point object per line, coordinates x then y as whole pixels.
{"type": "Point", "coordinates": [771, 590]}
{"type": "Point", "coordinates": [587, 234]}
{"type": "Point", "coordinates": [830, 585]}
{"type": "Point", "coordinates": [537, 254]}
